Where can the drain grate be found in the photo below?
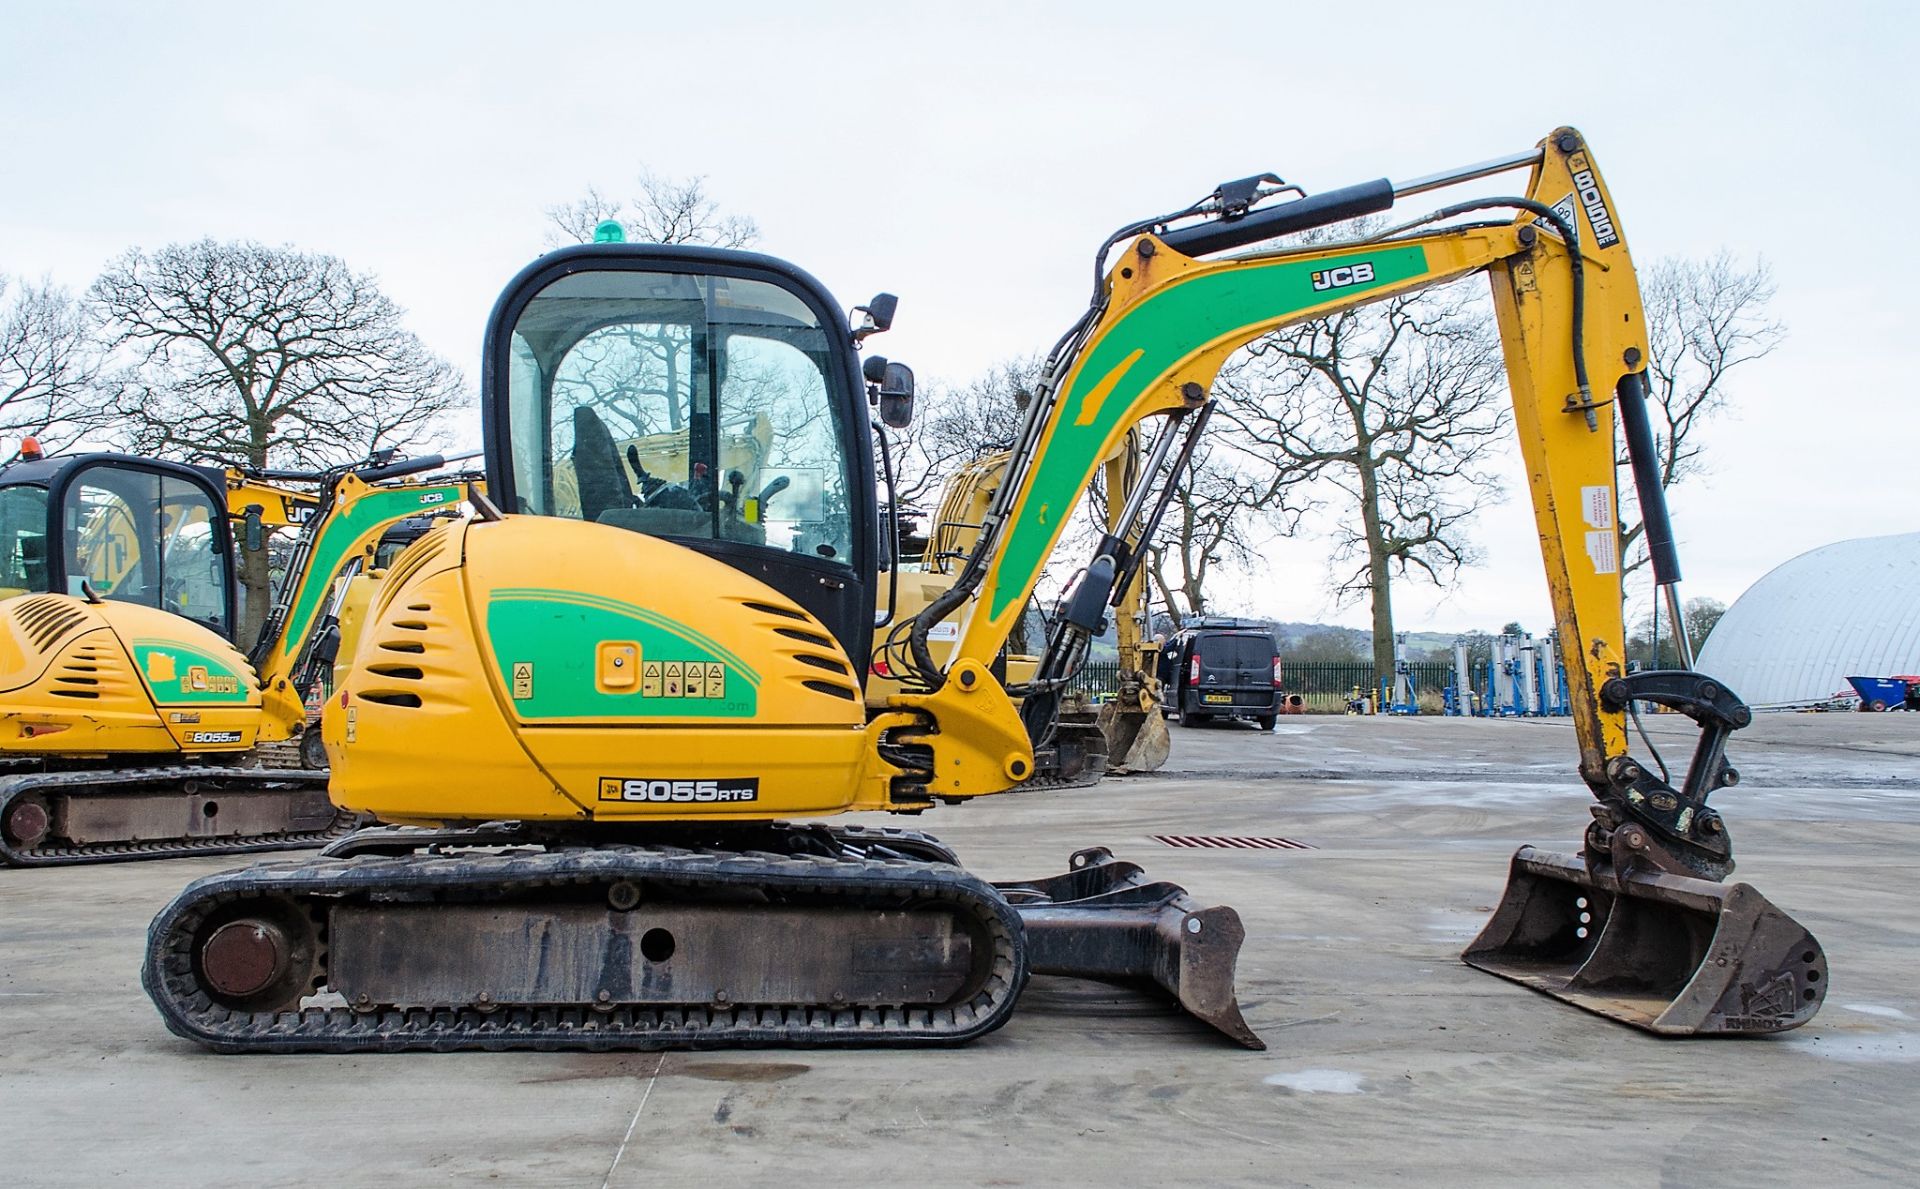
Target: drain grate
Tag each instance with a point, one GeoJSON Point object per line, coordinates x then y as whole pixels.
{"type": "Point", "coordinates": [1231, 842]}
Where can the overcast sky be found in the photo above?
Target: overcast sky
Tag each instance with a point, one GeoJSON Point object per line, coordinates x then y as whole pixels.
{"type": "Point", "coordinates": [970, 157]}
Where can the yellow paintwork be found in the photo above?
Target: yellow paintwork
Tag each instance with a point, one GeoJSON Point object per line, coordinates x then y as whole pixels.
{"type": "Point", "coordinates": [469, 752]}
{"type": "Point", "coordinates": [83, 693]}
{"type": "Point", "coordinates": [279, 506]}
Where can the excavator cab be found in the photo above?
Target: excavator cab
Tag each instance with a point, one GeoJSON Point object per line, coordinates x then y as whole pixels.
{"type": "Point", "coordinates": [709, 399]}
{"type": "Point", "coordinates": [136, 530]}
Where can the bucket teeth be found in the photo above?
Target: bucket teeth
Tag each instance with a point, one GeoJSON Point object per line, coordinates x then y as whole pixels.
{"type": "Point", "coordinates": [1667, 953]}
{"type": "Point", "coordinates": [1105, 920]}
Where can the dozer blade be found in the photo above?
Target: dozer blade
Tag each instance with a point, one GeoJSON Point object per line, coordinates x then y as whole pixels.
{"type": "Point", "coordinates": [1105, 920]}
{"type": "Point", "coordinates": [1137, 740]}
{"type": "Point", "coordinates": [1668, 953]}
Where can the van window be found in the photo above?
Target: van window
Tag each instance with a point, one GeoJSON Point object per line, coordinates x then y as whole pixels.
{"type": "Point", "coordinates": [1236, 652]}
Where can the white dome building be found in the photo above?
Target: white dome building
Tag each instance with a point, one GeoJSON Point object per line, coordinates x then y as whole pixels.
{"type": "Point", "coordinates": [1847, 609]}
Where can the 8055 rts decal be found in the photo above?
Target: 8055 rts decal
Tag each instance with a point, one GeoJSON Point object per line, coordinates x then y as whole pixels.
{"type": "Point", "coordinates": [640, 788]}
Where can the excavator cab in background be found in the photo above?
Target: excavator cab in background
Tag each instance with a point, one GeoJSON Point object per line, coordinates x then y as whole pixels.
{"type": "Point", "coordinates": [137, 530]}
{"type": "Point", "coordinates": [606, 722]}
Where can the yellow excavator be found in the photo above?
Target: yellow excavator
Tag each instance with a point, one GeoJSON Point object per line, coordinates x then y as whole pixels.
{"type": "Point", "coordinates": [607, 723]}
{"type": "Point", "coordinates": [131, 725]}
{"type": "Point", "coordinates": [1084, 741]}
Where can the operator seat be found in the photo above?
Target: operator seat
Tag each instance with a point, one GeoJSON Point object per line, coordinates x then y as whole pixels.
{"type": "Point", "coordinates": [597, 469]}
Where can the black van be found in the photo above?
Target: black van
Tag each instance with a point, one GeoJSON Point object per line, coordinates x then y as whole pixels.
{"type": "Point", "coordinates": [1221, 668]}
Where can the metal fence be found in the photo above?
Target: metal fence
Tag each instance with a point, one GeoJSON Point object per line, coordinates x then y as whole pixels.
{"type": "Point", "coordinates": [1325, 686]}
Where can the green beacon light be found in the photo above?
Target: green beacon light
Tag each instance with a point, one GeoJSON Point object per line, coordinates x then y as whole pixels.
{"type": "Point", "coordinates": [610, 232]}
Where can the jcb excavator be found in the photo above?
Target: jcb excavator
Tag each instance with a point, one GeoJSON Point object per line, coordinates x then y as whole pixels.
{"type": "Point", "coordinates": [131, 726]}
{"type": "Point", "coordinates": [601, 712]}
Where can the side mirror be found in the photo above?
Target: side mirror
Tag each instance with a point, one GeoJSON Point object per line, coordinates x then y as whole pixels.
{"type": "Point", "coordinates": [256, 530]}
{"type": "Point", "coordinates": [878, 315]}
{"type": "Point", "coordinates": [896, 396]}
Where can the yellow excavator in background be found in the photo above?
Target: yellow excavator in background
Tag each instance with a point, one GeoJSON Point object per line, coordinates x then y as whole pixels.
{"type": "Point", "coordinates": [1084, 741]}
{"type": "Point", "coordinates": [607, 720]}
{"type": "Point", "coordinates": [131, 726]}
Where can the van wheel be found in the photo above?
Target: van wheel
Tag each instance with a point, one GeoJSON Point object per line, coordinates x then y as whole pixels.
{"type": "Point", "coordinates": [1189, 718]}
{"type": "Point", "coordinates": [1266, 722]}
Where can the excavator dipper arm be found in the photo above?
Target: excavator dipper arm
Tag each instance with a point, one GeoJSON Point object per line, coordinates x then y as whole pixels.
{"type": "Point", "coordinates": [1610, 930]}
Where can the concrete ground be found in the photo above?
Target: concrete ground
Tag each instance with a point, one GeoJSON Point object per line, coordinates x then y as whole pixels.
{"type": "Point", "coordinates": [1389, 1060]}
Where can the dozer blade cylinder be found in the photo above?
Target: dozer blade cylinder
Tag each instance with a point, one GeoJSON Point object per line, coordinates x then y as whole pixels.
{"type": "Point", "coordinates": [1103, 920]}
{"type": "Point", "coordinates": [1670, 954]}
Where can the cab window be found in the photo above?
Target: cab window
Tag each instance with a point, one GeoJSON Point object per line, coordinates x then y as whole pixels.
{"type": "Point", "coordinates": [23, 539]}
{"type": "Point", "coordinates": [146, 538]}
{"type": "Point", "coordinates": [680, 406]}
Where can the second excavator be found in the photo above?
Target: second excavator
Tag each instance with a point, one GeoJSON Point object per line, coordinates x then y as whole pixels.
{"type": "Point", "coordinates": [614, 714]}
{"type": "Point", "coordinates": [132, 726]}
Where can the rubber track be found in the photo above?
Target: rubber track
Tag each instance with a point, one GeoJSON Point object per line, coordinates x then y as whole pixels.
{"type": "Point", "coordinates": [191, 1013]}
{"type": "Point", "coordinates": [112, 782]}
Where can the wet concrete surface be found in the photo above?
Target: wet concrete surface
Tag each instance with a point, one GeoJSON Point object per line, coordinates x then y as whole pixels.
{"type": "Point", "coordinates": [1388, 1062]}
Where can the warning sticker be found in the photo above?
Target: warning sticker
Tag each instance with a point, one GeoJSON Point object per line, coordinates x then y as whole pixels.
{"type": "Point", "coordinates": [522, 680]}
{"type": "Point", "coordinates": [716, 680]}
{"type": "Point", "coordinates": [1596, 506]}
{"type": "Point", "coordinates": [1604, 548]}
{"type": "Point", "coordinates": [650, 679]}
{"type": "Point", "coordinates": [675, 680]}
{"type": "Point", "coordinates": [1570, 213]}
{"type": "Point", "coordinates": [696, 681]}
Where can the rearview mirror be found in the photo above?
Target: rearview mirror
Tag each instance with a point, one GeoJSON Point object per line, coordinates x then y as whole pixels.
{"type": "Point", "coordinates": [896, 396]}
{"type": "Point", "coordinates": [256, 530]}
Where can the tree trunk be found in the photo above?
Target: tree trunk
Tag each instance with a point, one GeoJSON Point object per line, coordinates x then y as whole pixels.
{"type": "Point", "coordinates": [256, 575]}
{"type": "Point", "coordinates": [1378, 589]}
{"type": "Point", "coordinates": [256, 593]}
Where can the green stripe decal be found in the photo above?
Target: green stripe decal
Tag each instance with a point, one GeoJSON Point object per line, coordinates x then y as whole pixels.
{"type": "Point", "coordinates": [546, 647]}
{"type": "Point", "coordinates": [180, 675]}
{"type": "Point", "coordinates": [342, 534]}
{"type": "Point", "coordinates": [1136, 352]}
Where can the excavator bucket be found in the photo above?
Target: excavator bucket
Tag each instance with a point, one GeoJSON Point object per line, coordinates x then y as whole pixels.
{"type": "Point", "coordinates": [1137, 739]}
{"type": "Point", "coordinates": [1667, 953]}
{"type": "Point", "coordinates": [1104, 919]}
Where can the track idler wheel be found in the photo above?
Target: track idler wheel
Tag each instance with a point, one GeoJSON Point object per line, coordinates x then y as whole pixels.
{"type": "Point", "coordinates": [262, 957]}
{"type": "Point", "coordinates": [27, 821]}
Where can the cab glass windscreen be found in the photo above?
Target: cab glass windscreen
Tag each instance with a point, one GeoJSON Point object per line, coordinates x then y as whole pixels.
{"type": "Point", "coordinates": [23, 539]}
{"type": "Point", "coordinates": [680, 405]}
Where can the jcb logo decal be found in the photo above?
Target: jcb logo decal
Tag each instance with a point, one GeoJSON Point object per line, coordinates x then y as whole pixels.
{"type": "Point", "coordinates": [1345, 275]}
{"type": "Point", "coordinates": [433, 497]}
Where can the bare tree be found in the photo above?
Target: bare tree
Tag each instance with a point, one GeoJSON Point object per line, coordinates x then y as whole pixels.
{"type": "Point", "coordinates": [956, 423]}
{"type": "Point", "coordinates": [1396, 406]}
{"type": "Point", "coordinates": [1704, 319]}
{"type": "Point", "coordinates": [265, 356]}
{"type": "Point", "coordinates": [662, 210]}
{"type": "Point", "coordinates": [1651, 639]}
{"type": "Point", "coordinates": [1220, 512]}
{"type": "Point", "coordinates": [48, 362]}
